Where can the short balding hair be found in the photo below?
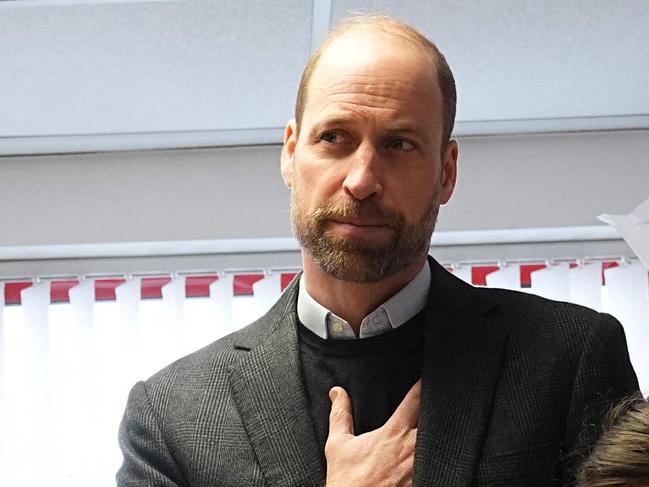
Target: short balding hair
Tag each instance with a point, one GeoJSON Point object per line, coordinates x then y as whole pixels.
{"type": "Point", "coordinates": [388, 25]}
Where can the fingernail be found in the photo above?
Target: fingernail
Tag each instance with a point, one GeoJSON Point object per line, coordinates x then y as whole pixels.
{"type": "Point", "coordinates": [333, 394]}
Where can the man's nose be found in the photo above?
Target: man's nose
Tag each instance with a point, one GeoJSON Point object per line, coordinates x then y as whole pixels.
{"type": "Point", "coordinates": [363, 179]}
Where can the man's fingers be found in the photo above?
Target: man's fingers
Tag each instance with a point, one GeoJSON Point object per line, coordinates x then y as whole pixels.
{"type": "Point", "coordinates": [407, 414]}
{"type": "Point", "coordinates": [341, 420]}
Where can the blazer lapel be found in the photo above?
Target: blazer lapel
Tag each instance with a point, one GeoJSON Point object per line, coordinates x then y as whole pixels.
{"type": "Point", "coordinates": [462, 363]}
{"type": "Point", "coordinates": [270, 395]}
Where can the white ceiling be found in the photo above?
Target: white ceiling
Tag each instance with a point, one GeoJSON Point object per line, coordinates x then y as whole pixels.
{"type": "Point", "coordinates": [531, 59]}
{"type": "Point", "coordinates": [97, 74]}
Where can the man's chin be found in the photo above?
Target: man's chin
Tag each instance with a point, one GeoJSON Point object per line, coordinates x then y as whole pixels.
{"type": "Point", "coordinates": [362, 246]}
{"type": "Point", "coordinates": [355, 265]}
{"type": "Point", "coordinates": [355, 274]}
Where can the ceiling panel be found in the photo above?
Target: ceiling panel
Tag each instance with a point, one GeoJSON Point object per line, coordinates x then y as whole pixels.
{"type": "Point", "coordinates": [212, 72]}
{"type": "Point", "coordinates": [535, 60]}
{"type": "Point", "coordinates": [150, 66]}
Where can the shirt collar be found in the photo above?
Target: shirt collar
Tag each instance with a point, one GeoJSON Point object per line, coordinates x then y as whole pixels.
{"type": "Point", "coordinates": [394, 312]}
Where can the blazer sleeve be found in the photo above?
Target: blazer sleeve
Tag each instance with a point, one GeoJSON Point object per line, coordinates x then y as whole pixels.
{"type": "Point", "coordinates": [147, 459]}
{"type": "Point", "coordinates": [604, 376]}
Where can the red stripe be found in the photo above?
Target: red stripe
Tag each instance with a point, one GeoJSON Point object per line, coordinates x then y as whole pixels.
{"type": "Point", "coordinates": [198, 286]}
{"type": "Point", "coordinates": [607, 265]}
{"type": "Point", "coordinates": [105, 289]}
{"type": "Point", "coordinates": [287, 279]}
{"type": "Point", "coordinates": [526, 273]}
{"type": "Point", "coordinates": [479, 274]}
{"type": "Point", "coordinates": [151, 287]}
{"type": "Point", "coordinates": [12, 291]}
{"type": "Point", "coordinates": [60, 290]}
{"type": "Point", "coordinates": [243, 284]}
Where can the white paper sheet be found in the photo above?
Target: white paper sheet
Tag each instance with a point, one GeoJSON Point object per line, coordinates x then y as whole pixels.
{"type": "Point", "coordinates": [634, 229]}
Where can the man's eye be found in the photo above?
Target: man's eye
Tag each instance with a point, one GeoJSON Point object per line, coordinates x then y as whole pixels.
{"type": "Point", "coordinates": [331, 137]}
{"type": "Point", "coordinates": [400, 144]}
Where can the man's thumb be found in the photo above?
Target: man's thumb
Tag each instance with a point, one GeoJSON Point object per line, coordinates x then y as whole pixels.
{"type": "Point", "coordinates": [341, 420]}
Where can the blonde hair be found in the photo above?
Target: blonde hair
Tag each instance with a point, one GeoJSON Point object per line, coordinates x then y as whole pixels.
{"type": "Point", "coordinates": [621, 456]}
{"type": "Point", "coordinates": [389, 25]}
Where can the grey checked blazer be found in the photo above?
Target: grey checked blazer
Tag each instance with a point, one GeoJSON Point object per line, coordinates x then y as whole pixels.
{"type": "Point", "coordinates": [514, 389]}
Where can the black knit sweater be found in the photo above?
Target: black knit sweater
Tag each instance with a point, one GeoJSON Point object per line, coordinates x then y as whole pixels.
{"type": "Point", "coordinates": [376, 372]}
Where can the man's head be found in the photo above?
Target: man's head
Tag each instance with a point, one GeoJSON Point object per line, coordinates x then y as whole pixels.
{"type": "Point", "coordinates": [388, 25]}
{"type": "Point", "coordinates": [372, 160]}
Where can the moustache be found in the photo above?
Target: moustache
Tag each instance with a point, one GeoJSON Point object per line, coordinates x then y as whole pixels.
{"type": "Point", "coordinates": [357, 209]}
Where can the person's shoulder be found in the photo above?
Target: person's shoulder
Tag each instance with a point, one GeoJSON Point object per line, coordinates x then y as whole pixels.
{"type": "Point", "coordinates": [560, 321]}
{"type": "Point", "coordinates": [207, 364]}
{"type": "Point", "coordinates": [561, 340]}
{"type": "Point", "coordinates": [531, 305]}
{"type": "Point", "coordinates": [522, 312]}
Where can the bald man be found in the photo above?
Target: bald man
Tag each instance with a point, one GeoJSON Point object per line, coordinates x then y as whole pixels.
{"type": "Point", "coordinates": [377, 367]}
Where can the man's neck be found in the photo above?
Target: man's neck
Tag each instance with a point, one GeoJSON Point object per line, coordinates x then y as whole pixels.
{"type": "Point", "coordinates": [349, 300]}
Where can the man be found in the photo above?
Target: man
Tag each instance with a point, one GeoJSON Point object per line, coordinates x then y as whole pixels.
{"type": "Point", "coordinates": [377, 367]}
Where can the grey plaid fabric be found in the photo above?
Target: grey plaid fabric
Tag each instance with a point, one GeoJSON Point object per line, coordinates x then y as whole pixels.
{"type": "Point", "coordinates": [514, 389]}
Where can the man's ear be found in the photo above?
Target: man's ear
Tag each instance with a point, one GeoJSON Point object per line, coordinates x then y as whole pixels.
{"type": "Point", "coordinates": [449, 171]}
{"type": "Point", "coordinates": [288, 152]}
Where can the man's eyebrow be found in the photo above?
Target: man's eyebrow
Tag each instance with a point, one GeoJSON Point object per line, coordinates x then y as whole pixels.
{"type": "Point", "coordinates": [333, 120]}
{"type": "Point", "coordinates": [405, 126]}
{"type": "Point", "coordinates": [329, 123]}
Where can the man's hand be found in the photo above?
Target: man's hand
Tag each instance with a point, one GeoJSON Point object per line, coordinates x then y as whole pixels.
{"type": "Point", "coordinates": [383, 457]}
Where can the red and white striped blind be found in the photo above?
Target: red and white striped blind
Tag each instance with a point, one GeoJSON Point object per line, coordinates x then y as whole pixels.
{"type": "Point", "coordinates": [198, 285]}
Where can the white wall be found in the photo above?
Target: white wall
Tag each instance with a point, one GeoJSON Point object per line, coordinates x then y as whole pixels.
{"type": "Point", "coordinates": [168, 195]}
{"type": "Point", "coordinates": [87, 75]}
{"type": "Point", "coordinates": [141, 66]}
{"type": "Point", "coordinates": [548, 180]}
{"type": "Point", "coordinates": [504, 182]}
{"type": "Point", "coordinates": [95, 75]}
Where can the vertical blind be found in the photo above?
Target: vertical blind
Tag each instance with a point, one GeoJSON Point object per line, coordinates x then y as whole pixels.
{"type": "Point", "coordinates": [72, 348]}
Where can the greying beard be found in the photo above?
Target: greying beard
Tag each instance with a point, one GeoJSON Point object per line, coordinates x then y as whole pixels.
{"type": "Point", "coordinates": [353, 260]}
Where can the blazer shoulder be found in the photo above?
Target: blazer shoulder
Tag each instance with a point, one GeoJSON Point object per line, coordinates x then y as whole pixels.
{"type": "Point", "coordinates": [211, 363]}
{"type": "Point", "coordinates": [208, 362]}
{"type": "Point", "coordinates": [535, 309]}
{"type": "Point", "coordinates": [522, 314]}
{"type": "Point", "coordinates": [559, 328]}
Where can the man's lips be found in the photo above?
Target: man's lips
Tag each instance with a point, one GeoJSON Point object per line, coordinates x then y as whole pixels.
{"type": "Point", "coordinates": [359, 222]}
{"type": "Point", "coordinates": [365, 228]}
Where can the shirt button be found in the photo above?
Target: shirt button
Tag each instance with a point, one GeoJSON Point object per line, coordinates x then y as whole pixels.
{"type": "Point", "coordinates": [338, 327]}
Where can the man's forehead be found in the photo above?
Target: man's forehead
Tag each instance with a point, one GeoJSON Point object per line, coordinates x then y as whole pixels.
{"type": "Point", "coordinates": [371, 69]}
{"type": "Point", "coordinates": [370, 47]}
{"type": "Point", "coordinates": [366, 87]}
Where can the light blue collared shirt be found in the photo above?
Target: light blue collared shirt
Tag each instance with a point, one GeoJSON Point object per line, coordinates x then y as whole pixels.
{"type": "Point", "coordinates": [397, 310]}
